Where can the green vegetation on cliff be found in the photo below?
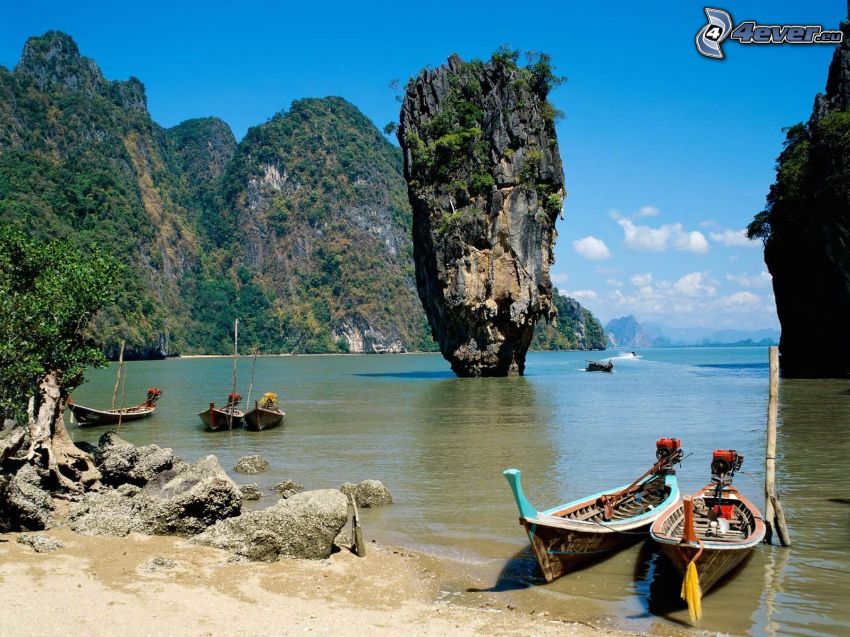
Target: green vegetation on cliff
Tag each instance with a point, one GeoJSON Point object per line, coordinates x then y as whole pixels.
{"type": "Point", "coordinates": [302, 230]}
{"type": "Point", "coordinates": [573, 328]}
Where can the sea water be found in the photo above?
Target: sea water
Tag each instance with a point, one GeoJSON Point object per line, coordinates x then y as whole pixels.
{"type": "Point", "coordinates": [440, 444]}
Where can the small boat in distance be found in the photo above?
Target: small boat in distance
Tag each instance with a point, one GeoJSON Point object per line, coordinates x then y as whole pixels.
{"type": "Point", "coordinates": [571, 535]}
{"type": "Point", "coordinates": [600, 366]}
{"type": "Point", "coordinates": [224, 418]}
{"type": "Point", "coordinates": [716, 528]}
{"type": "Point", "coordinates": [90, 417]}
{"type": "Point", "coordinates": [265, 414]}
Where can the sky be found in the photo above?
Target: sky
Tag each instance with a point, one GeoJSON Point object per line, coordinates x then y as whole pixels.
{"type": "Point", "coordinates": [667, 154]}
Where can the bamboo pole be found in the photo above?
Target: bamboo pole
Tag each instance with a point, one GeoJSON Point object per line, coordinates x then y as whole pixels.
{"type": "Point", "coordinates": [118, 374]}
{"type": "Point", "coordinates": [774, 517]}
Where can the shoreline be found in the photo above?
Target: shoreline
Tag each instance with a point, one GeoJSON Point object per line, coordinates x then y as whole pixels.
{"type": "Point", "coordinates": [141, 585]}
{"type": "Point", "coordinates": [418, 353]}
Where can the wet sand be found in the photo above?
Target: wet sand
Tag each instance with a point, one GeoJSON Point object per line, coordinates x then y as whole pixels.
{"type": "Point", "coordinates": [114, 586]}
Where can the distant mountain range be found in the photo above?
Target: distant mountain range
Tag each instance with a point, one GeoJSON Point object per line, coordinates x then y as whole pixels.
{"type": "Point", "coordinates": [627, 332]}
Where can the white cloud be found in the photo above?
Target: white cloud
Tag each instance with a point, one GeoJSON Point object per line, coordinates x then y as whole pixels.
{"type": "Point", "coordinates": [586, 295]}
{"type": "Point", "coordinates": [642, 279]}
{"type": "Point", "coordinates": [560, 278]}
{"type": "Point", "coordinates": [615, 283]}
{"type": "Point", "coordinates": [693, 241]}
{"type": "Point", "coordinates": [648, 211]}
{"type": "Point", "coordinates": [760, 280]}
{"type": "Point", "coordinates": [647, 238]}
{"type": "Point", "coordinates": [592, 248]}
{"type": "Point", "coordinates": [733, 239]}
{"type": "Point", "coordinates": [695, 284]}
{"type": "Point", "coordinates": [740, 301]}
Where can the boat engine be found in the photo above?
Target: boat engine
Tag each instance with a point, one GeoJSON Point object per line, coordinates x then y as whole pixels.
{"type": "Point", "coordinates": [153, 395]}
{"type": "Point", "coordinates": [233, 399]}
{"type": "Point", "coordinates": [668, 450]}
{"type": "Point", "coordinates": [724, 464]}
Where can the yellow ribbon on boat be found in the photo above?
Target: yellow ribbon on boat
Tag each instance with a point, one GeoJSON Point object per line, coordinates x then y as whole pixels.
{"type": "Point", "coordinates": [269, 400]}
{"type": "Point", "coordinates": [691, 592]}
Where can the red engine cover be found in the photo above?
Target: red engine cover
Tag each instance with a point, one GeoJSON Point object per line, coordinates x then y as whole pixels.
{"type": "Point", "coordinates": [729, 455]}
{"type": "Point", "coordinates": [673, 444]}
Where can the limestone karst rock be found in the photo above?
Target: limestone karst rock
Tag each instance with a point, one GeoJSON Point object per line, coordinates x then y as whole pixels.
{"type": "Point", "coordinates": [486, 185]}
{"type": "Point", "coordinates": [806, 231]}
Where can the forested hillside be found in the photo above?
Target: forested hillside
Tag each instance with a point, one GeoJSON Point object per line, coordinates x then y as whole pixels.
{"type": "Point", "coordinates": [302, 230]}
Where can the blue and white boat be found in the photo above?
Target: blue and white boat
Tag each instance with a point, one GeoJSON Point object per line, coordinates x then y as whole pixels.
{"type": "Point", "coordinates": [571, 535]}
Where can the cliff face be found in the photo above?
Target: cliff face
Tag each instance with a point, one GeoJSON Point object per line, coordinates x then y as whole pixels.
{"type": "Point", "coordinates": [322, 223]}
{"type": "Point", "coordinates": [81, 159]}
{"type": "Point", "coordinates": [302, 230]}
{"type": "Point", "coordinates": [486, 184]}
{"type": "Point", "coordinates": [806, 230]}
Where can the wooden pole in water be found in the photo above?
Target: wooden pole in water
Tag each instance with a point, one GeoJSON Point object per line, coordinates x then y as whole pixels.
{"type": "Point", "coordinates": [774, 518]}
{"type": "Point", "coordinates": [118, 374]}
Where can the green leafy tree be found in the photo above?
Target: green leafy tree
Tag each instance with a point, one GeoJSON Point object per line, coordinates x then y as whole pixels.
{"type": "Point", "coordinates": [49, 294]}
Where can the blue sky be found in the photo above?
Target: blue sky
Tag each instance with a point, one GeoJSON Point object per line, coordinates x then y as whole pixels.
{"type": "Point", "coordinates": [667, 155]}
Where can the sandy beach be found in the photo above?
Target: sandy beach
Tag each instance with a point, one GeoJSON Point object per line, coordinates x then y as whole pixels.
{"type": "Point", "coordinates": [142, 585]}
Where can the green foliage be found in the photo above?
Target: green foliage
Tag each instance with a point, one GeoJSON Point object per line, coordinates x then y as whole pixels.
{"type": "Point", "coordinates": [574, 328]}
{"type": "Point", "coordinates": [172, 205]}
{"type": "Point", "coordinates": [49, 293]}
{"type": "Point", "coordinates": [812, 180]}
{"type": "Point", "coordinates": [554, 203]}
{"type": "Point", "coordinates": [390, 128]}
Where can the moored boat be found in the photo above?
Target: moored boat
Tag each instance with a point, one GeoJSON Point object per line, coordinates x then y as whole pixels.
{"type": "Point", "coordinates": [91, 417]}
{"type": "Point", "coordinates": [716, 528]}
{"type": "Point", "coordinates": [571, 535]}
{"type": "Point", "coordinates": [265, 414]}
{"type": "Point", "coordinates": [600, 366]}
{"type": "Point", "coordinates": [224, 418]}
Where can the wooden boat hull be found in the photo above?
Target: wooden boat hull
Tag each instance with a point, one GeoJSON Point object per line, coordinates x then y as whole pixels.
{"type": "Point", "coordinates": [562, 544]}
{"type": "Point", "coordinates": [221, 420]}
{"type": "Point", "coordinates": [88, 417]}
{"type": "Point", "coordinates": [259, 419]}
{"type": "Point", "coordinates": [712, 565]}
{"type": "Point", "coordinates": [720, 554]}
{"type": "Point", "coordinates": [560, 551]}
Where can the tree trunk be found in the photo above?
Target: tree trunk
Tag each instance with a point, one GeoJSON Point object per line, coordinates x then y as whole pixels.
{"type": "Point", "coordinates": [66, 467]}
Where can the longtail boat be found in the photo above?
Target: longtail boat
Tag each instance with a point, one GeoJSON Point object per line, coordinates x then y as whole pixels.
{"type": "Point", "coordinates": [716, 528]}
{"type": "Point", "coordinates": [265, 414]}
{"type": "Point", "coordinates": [600, 366]}
{"type": "Point", "coordinates": [224, 418]}
{"type": "Point", "coordinates": [570, 535]}
{"type": "Point", "coordinates": [90, 417]}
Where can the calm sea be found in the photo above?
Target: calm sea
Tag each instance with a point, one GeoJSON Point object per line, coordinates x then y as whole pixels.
{"type": "Point", "coordinates": [440, 444]}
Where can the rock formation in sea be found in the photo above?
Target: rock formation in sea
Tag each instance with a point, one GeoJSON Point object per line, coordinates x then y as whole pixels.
{"type": "Point", "coordinates": [806, 231]}
{"type": "Point", "coordinates": [486, 185]}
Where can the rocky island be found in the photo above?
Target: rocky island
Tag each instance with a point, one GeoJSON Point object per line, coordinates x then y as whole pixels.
{"type": "Point", "coordinates": [486, 185]}
{"type": "Point", "coordinates": [806, 231]}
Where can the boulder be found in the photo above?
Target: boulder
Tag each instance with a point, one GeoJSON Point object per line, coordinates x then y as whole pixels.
{"type": "Point", "coordinates": [24, 504]}
{"type": "Point", "coordinates": [252, 465]}
{"type": "Point", "coordinates": [250, 492]}
{"type": "Point", "coordinates": [182, 501]}
{"type": "Point", "coordinates": [288, 488]}
{"type": "Point", "coordinates": [186, 500]}
{"type": "Point", "coordinates": [40, 543]}
{"type": "Point", "coordinates": [114, 512]}
{"type": "Point", "coordinates": [304, 526]}
{"type": "Point", "coordinates": [123, 463]}
{"type": "Point", "coordinates": [368, 493]}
